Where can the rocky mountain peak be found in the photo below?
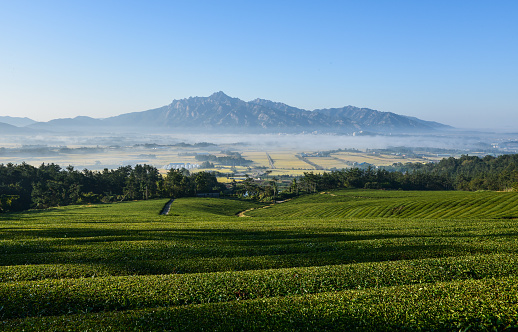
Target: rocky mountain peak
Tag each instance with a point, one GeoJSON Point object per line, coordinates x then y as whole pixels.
{"type": "Point", "coordinates": [219, 96]}
{"type": "Point", "coordinates": [219, 112]}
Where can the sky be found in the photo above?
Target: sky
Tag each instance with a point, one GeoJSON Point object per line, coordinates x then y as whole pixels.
{"type": "Point", "coordinates": [455, 62]}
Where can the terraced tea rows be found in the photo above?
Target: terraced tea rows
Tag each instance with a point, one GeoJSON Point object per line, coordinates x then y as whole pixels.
{"type": "Point", "coordinates": [395, 204]}
{"type": "Point", "coordinates": [296, 265]}
{"type": "Point", "coordinates": [468, 305]}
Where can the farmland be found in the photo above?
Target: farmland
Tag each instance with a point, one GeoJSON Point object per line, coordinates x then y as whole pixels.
{"type": "Point", "coordinates": [112, 152]}
{"type": "Point", "coordinates": [343, 259]}
{"type": "Point", "coordinates": [375, 158]}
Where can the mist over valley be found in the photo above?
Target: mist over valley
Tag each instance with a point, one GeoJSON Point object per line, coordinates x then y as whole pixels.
{"type": "Point", "coordinates": [177, 132]}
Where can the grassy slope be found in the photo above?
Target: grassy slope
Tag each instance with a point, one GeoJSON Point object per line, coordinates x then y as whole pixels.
{"type": "Point", "coordinates": [398, 204]}
{"type": "Point", "coordinates": [122, 266]}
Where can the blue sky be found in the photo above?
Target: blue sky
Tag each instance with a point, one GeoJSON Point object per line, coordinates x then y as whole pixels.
{"type": "Point", "coordinates": [454, 62]}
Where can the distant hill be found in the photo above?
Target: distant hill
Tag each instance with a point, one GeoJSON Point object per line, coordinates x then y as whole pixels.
{"type": "Point", "coordinates": [379, 121]}
{"type": "Point", "coordinates": [16, 121]}
{"type": "Point", "coordinates": [8, 129]}
{"type": "Point", "coordinates": [221, 113]}
{"type": "Point", "coordinates": [344, 124]}
{"type": "Point", "coordinates": [68, 124]}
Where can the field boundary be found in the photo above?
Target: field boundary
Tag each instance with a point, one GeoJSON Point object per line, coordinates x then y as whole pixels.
{"type": "Point", "coordinates": [304, 159]}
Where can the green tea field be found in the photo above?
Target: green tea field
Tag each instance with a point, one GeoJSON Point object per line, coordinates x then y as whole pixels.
{"type": "Point", "coordinates": [341, 260]}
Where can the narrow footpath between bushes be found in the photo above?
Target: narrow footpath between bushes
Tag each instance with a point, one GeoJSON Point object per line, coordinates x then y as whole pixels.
{"type": "Point", "coordinates": [167, 207]}
{"type": "Point", "coordinates": [242, 213]}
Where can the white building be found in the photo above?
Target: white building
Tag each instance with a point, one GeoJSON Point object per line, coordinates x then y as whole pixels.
{"type": "Point", "coordinates": [180, 166]}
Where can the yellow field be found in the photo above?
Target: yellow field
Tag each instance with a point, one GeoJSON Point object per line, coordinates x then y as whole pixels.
{"type": "Point", "coordinates": [224, 179]}
{"type": "Point", "coordinates": [287, 160]}
{"type": "Point", "coordinates": [258, 157]}
{"type": "Point", "coordinates": [328, 162]}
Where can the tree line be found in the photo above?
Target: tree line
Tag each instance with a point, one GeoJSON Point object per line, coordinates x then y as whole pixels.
{"type": "Point", "coordinates": [470, 172]}
{"type": "Point", "coordinates": [24, 186]}
{"type": "Point", "coordinates": [230, 159]}
{"type": "Point", "coordinates": [465, 173]}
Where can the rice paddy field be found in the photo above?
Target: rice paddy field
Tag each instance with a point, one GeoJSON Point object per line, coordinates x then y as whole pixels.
{"type": "Point", "coordinates": [285, 159]}
{"type": "Point", "coordinates": [259, 158]}
{"type": "Point", "coordinates": [328, 162]}
{"type": "Point", "coordinates": [341, 260]}
{"type": "Point", "coordinates": [288, 160]}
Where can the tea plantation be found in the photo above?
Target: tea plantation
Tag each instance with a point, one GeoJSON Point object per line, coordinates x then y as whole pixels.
{"type": "Point", "coordinates": [340, 260]}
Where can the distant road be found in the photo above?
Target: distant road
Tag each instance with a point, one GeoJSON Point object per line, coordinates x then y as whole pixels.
{"type": "Point", "coordinates": [270, 160]}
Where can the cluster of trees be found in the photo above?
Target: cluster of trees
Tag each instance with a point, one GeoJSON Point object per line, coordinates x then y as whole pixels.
{"type": "Point", "coordinates": [181, 183]}
{"type": "Point", "coordinates": [231, 159]}
{"type": "Point", "coordinates": [369, 178]}
{"type": "Point", "coordinates": [207, 164]}
{"type": "Point", "coordinates": [465, 173]}
{"type": "Point", "coordinates": [249, 188]}
{"type": "Point", "coordinates": [470, 172]}
{"type": "Point", "coordinates": [24, 186]}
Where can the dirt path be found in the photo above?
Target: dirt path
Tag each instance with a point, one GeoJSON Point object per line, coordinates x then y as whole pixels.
{"type": "Point", "coordinates": [243, 213]}
{"type": "Point", "coordinates": [167, 207]}
{"type": "Point", "coordinates": [270, 161]}
{"type": "Point", "coordinates": [328, 193]}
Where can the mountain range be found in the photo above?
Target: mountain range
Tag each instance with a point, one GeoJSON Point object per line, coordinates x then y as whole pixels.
{"type": "Point", "coordinates": [221, 113]}
{"type": "Point", "coordinates": [16, 121]}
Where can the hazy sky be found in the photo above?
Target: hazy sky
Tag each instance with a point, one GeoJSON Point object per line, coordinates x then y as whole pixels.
{"type": "Point", "coordinates": [454, 62]}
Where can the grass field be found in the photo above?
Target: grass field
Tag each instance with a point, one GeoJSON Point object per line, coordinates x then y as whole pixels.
{"type": "Point", "coordinates": [350, 259]}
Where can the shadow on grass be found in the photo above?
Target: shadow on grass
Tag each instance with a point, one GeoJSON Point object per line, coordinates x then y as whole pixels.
{"type": "Point", "coordinates": [163, 251]}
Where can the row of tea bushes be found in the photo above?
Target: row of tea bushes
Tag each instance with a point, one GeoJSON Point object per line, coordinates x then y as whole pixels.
{"type": "Point", "coordinates": [62, 296]}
